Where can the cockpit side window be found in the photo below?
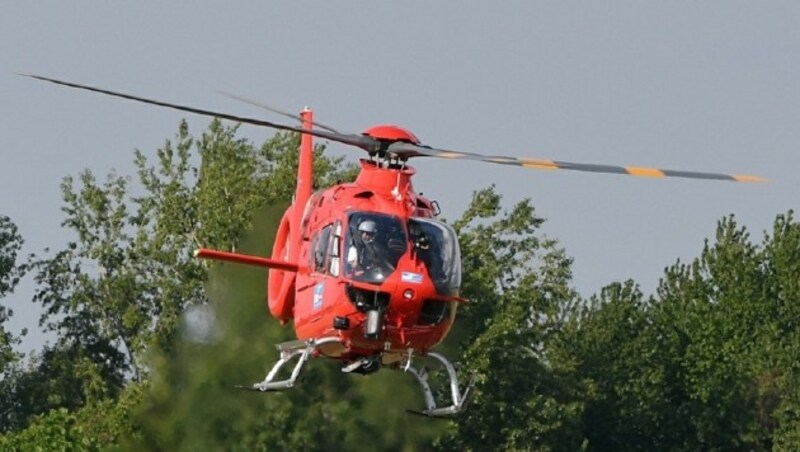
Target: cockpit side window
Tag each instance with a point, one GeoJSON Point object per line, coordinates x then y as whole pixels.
{"type": "Point", "coordinates": [333, 249]}
{"type": "Point", "coordinates": [319, 248]}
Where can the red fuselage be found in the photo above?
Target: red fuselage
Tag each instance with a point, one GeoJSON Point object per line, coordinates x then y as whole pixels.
{"type": "Point", "coordinates": [415, 292]}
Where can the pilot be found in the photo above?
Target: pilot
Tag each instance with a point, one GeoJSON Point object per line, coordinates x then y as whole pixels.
{"type": "Point", "coordinates": [363, 246]}
{"type": "Point", "coordinates": [367, 231]}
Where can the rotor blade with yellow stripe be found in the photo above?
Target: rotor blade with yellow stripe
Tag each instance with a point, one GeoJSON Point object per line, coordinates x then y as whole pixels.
{"type": "Point", "coordinates": [406, 150]}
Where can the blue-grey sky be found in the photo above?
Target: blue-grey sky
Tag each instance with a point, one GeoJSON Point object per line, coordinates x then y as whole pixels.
{"type": "Point", "coordinates": [711, 85]}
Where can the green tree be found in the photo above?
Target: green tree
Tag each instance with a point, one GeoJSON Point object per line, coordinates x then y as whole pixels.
{"type": "Point", "coordinates": [116, 294]}
{"type": "Point", "coordinates": [518, 285]}
{"type": "Point", "coordinates": [776, 385]}
{"type": "Point", "coordinates": [608, 346]}
{"type": "Point", "coordinates": [708, 363]}
{"type": "Point", "coordinates": [10, 273]}
{"type": "Point", "coordinates": [130, 273]}
{"type": "Point", "coordinates": [712, 320]}
{"type": "Point", "coordinates": [98, 426]}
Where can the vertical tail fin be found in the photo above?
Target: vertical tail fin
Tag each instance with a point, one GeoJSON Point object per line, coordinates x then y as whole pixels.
{"type": "Point", "coordinates": [305, 166]}
{"type": "Point", "coordinates": [280, 294]}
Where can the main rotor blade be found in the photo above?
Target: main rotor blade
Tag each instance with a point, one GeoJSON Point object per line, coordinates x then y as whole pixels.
{"type": "Point", "coordinates": [407, 150]}
{"type": "Point", "coordinates": [275, 110]}
{"type": "Point", "coordinates": [366, 143]}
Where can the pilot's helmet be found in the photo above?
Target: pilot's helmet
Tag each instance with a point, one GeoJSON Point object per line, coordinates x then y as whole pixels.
{"type": "Point", "coordinates": [367, 229]}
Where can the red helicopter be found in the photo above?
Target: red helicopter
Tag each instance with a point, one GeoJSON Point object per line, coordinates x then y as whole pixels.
{"type": "Point", "coordinates": [365, 270]}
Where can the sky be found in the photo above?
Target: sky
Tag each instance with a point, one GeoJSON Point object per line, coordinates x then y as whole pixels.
{"type": "Point", "coordinates": [706, 86]}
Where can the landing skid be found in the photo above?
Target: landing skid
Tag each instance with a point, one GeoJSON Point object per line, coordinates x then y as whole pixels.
{"type": "Point", "coordinates": [303, 350]}
{"type": "Point", "coordinates": [459, 400]}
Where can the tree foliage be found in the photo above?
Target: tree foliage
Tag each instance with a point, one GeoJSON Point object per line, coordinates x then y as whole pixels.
{"type": "Point", "coordinates": [518, 285]}
{"type": "Point", "coordinates": [118, 291]}
{"type": "Point", "coordinates": [10, 273]}
{"type": "Point", "coordinates": [708, 362]}
{"type": "Point", "coordinates": [10, 246]}
{"type": "Point", "coordinates": [150, 341]}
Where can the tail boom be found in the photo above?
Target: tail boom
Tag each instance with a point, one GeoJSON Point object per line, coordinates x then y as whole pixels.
{"type": "Point", "coordinates": [247, 259]}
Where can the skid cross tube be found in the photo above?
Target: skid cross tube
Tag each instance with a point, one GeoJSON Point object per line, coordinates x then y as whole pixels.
{"type": "Point", "coordinates": [290, 350]}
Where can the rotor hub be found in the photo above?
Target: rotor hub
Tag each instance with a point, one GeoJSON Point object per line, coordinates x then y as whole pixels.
{"type": "Point", "coordinates": [391, 133]}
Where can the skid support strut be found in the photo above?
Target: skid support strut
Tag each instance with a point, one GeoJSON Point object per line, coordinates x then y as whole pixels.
{"type": "Point", "coordinates": [459, 400]}
{"type": "Point", "coordinates": [289, 350]}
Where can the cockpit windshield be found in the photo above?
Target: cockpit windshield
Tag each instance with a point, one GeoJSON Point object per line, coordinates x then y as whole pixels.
{"type": "Point", "coordinates": [436, 244]}
{"type": "Point", "coordinates": [375, 243]}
